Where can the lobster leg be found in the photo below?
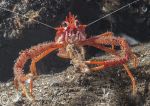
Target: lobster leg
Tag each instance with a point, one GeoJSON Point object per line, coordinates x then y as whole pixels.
{"type": "Point", "coordinates": [34, 61]}
{"type": "Point", "coordinates": [117, 41]}
{"type": "Point", "coordinates": [132, 79]}
{"type": "Point", "coordinates": [35, 53]}
{"type": "Point", "coordinates": [108, 34]}
{"type": "Point", "coordinates": [38, 58]}
{"type": "Point", "coordinates": [33, 68]}
{"type": "Point", "coordinates": [107, 39]}
{"type": "Point", "coordinates": [102, 66]}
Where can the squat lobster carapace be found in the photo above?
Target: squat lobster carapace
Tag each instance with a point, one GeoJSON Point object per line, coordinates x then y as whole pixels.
{"type": "Point", "coordinates": [70, 35]}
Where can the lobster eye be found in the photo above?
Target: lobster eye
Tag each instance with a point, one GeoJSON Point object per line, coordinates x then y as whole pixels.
{"type": "Point", "coordinates": [64, 24]}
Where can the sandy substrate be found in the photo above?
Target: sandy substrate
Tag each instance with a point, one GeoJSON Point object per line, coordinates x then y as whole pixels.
{"type": "Point", "coordinates": [110, 87]}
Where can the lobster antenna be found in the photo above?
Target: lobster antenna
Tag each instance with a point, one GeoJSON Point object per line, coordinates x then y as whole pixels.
{"type": "Point", "coordinates": [27, 17]}
{"type": "Point", "coordinates": [113, 12]}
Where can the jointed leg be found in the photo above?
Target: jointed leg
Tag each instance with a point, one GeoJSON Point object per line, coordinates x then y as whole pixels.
{"type": "Point", "coordinates": [106, 49]}
{"type": "Point", "coordinates": [102, 64]}
{"type": "Point", "coordinates": [26, 81]}
{"type": "Point", "coordinates": [33, 71]}
{"type": "Point", "coordinates": [101, 67]}
{"type": "Point", "coordinates": [100, 42]}
{"type": "Point", "coordinates": [38, 58]}
{"type": "Point", "coordinates": [108, 34]}
{"type": "Point", "coordinates": [132, 79]}
{"type": "Point", "coordinates": [16, 83]}
{"type": "Point", "coordinates": [25, 93]}
{"type": "Point", "coordinates": [35, 60]}
{"type": "Point", "coordinates": [92, 41]}
{"type": "Point", "coordinates": [135, 60]}
{"type": "Point", "coordinates": [108, 39]}
{"type": "Point", "coordinates": [31, 87]}
{"type": "Point", "coordinates": [33, 68]}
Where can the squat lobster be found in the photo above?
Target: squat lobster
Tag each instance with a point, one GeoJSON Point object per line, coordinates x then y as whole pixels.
{"type": "Point", "coordinates": [71, 34]}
